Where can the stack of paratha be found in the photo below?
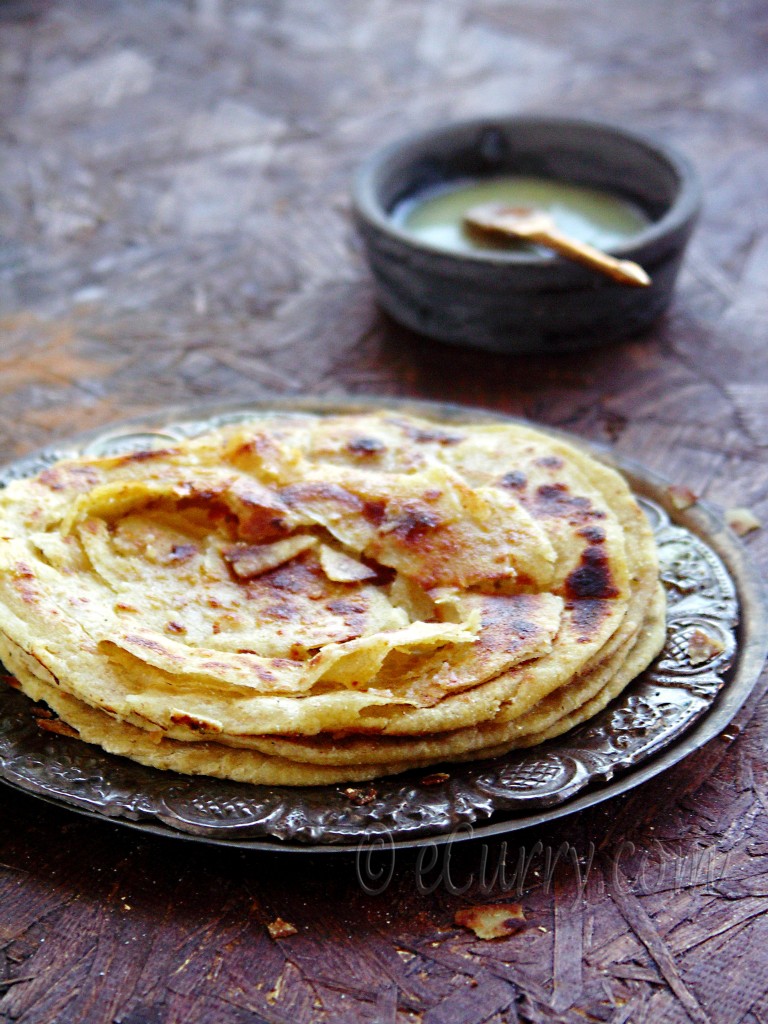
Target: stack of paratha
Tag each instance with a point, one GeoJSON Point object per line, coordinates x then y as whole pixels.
{"type": "Point", "coordinates": [310, 599]}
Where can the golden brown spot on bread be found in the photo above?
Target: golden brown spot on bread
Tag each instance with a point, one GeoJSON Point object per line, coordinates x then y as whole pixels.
{"type": "Point", "coordinates": [284, 611]}
{"type": "Point", "coordinates": [261, 513]}
{"type": "Point", "coordinates": [366, 446]}
{"type": "Point", "coordinates": [22, 575]}
{"type": "Point", "coordinates": [515, 479]}
{"type": "Point", "coordinates": [295, 577]}
{"type": "Point", "coordinates": [78, 478]}
{"type": "Point", "coordinates": [208, 502]}
{"type": "Point", "coordinates": [215, 666]}
{"type": "Point", "coordinates": [151, 645]}
{"type": "Point", "coordinates": [146, 455]}
{"type": "Point", "coordinates": [263, 529]}
{"type": "Point", "coordinates": [256, 512]}
{"type": "Point", "coordinates": [426, 435]}
{"type": "Point", "coordinates": [587, 616]}
{"type": "Point", "coordinates": [592, 578]}
{"type": "Point", "coordinates": [594, 534]}
{"type": "Point", "coordinates": [194, 723]}
{"type": "Point", "coordinates": [415, 520]}
{"type": "Point", "coordinates": [353, 613]}
{"type": "Point", "coordinates": [191, 495]}
{"type": "Point", "coordinates": [304, 494]}
{"type": "Point", "coordinates": [344, 607]}
{"type": "Point", "coordinates": [255, 448]}
{"type": "Point", "coordinates": [556, 500]}
{"type": "Point", "coordinates": [375, 511]}
{"type": "Point", "coordinates": [504, 623]}
{"type": "Point", "coordinates": [52, 478]}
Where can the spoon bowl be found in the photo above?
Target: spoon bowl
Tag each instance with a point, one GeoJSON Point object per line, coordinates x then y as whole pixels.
{"type": "Point", "coordinates": [517, 298]}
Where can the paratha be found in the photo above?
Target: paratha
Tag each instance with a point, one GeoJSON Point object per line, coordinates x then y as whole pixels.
{"type": "Point", "coordinates": [302, 599]}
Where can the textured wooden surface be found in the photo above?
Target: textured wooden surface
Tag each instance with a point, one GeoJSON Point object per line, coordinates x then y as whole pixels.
{"type": "Point", "coordinates": [174, 208]}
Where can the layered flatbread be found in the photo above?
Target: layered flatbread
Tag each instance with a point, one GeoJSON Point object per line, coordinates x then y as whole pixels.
{"type": "Point", "coordinates": [304, 599]}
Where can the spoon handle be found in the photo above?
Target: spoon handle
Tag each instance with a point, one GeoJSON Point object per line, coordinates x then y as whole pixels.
{"type": "Point", "coordinates": [624, 271]}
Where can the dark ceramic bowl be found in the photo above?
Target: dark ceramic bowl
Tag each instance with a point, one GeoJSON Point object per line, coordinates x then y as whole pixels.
{"type": "Point", "coordinates": [511, 300]}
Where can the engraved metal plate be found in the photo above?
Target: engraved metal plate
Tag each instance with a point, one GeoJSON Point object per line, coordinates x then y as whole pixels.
{"type": "Point", "coordinates": [671, 709]}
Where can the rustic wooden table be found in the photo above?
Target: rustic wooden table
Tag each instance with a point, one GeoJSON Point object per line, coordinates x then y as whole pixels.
{"type": "Point", "coordinates": [175, 210]}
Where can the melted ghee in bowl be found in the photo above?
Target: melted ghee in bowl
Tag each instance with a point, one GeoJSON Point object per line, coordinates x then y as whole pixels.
{"type": "Point", "coordinates": [601, 218]}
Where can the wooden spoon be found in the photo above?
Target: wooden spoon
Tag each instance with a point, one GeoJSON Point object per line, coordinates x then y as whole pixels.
{"type": "Point", "coordinates": [534, 225]}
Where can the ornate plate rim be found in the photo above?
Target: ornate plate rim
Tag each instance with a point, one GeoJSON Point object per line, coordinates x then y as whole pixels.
{"type": "Point", "coordinates": [742, 685]}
